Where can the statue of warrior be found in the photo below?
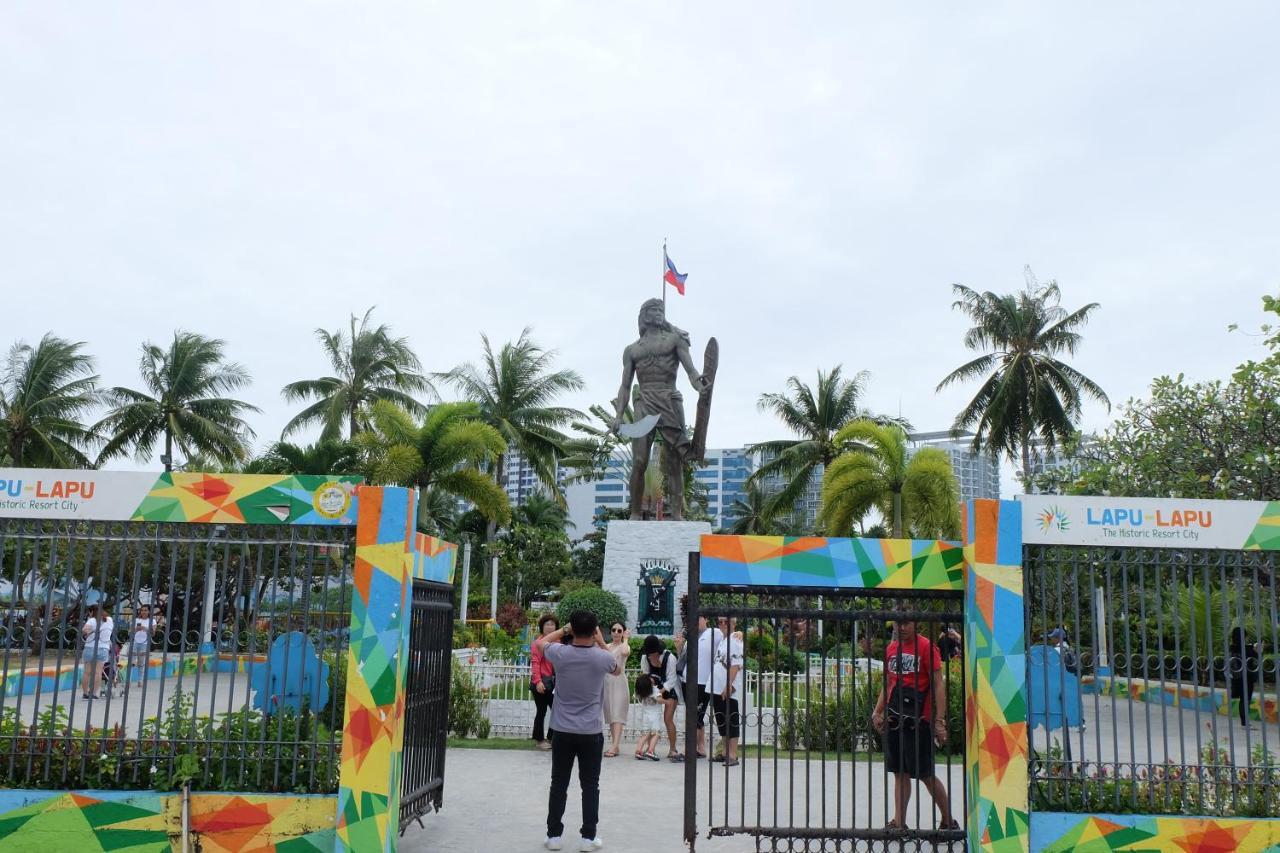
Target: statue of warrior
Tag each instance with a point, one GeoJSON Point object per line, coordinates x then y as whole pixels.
{"type": "Point", "coordinates": [657, 406]}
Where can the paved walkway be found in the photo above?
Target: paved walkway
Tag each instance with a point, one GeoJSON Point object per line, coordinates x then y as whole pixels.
{"type": "Point", "coordinates": [497, 800]}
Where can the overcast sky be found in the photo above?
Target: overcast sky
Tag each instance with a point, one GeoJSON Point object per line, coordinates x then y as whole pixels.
{"type": "Point", "coordinates": [822, 172]}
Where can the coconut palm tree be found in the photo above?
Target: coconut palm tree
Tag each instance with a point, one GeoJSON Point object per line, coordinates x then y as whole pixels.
{"type": "Point", "coordinates": [517, 389]}
{"type": "Point", "coordinates": [369, 365]}
{"type": "Point", "coordinates": [916, 493]}
{"type": "Point", "coordinates": [542, 512]}
{"type": "Point", "coordinates": [182, 404]}
{"type": "Point", "coordinates": [442, 455]}
{"type": "Point", "coordinates": [815, 415]}
{"type": "Point", "coordinates": [323, 457]}
{"type": "Point", "coordinates": [45, 390]}
{"type": "Point", "coordinates": [1027, 390]}
{"type": "Point", "coordinates": [749, 515]}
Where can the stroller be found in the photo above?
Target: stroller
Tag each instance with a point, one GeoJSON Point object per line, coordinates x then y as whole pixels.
{"type": "Point", "coordinates": [111, 682]}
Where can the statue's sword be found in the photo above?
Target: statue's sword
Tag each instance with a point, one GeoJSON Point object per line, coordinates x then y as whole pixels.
{"type": "Point", "coordinates": [638, 429]}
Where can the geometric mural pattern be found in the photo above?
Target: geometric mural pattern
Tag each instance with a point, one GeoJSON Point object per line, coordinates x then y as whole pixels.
{"type": "Point", "coordinates": [995, 679]}
{"type": "Point", "coordinates": [815, 561]}
{"type": "Point", "coordinates": [1060, 833]}
{"type": "Point", "coordinates": [1266, 535]}
{"type": "Point", "coordinates": [368, 793]}
{"type": "Point", "coordinates": [250, 499]}
{"type": "Point", "coordinates": [152, 823]}
{"type": "Point", "coordinates": [433, 559]}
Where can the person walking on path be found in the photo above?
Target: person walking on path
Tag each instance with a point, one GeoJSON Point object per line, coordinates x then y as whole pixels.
{"type": "Point", "coordinates": [580, 668]}
{"type": "Point", "coordinates": [705, 652]}
{"type": "Point", "coordinates": [144, 627]}
{"type": "Point", "coordinates": [912, 701]}
{"type": "Point", "coordinates": [617, 696]}
{"type": "Point", "coordinates": [542, 681]}
{"type": "Point", "coordinates": [1243, 671]}
{"type": "Point", "coordinates": [659, 663]}
{"type": "Point", "coordinates": [727, 698]}
{"type": "Point", "coordinates": [97, 632]}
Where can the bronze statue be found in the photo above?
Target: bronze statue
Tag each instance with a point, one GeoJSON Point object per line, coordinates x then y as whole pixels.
{"type": "Point", "coordinates": [652, 362]}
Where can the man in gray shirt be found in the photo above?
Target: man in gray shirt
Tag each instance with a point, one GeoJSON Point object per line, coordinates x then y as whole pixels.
{"type": "Point", "coordinates": [576, 718]}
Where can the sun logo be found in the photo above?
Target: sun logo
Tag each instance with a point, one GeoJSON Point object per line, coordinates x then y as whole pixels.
{"type": "Point", "coordinates": [1054, 518]}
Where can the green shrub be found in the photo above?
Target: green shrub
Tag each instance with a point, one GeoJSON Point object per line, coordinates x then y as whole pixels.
{"type": "Point", "coordinates": [466, 708]}
{"type": "Point", "coordinates": [604, 604]}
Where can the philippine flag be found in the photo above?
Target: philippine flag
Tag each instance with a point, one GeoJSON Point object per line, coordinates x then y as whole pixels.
{"type": "Point", "coordinates": [673, 276]}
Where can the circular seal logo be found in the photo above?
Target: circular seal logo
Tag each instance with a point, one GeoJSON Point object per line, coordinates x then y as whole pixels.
{"type": "Point", "coordinates": [332, 500]}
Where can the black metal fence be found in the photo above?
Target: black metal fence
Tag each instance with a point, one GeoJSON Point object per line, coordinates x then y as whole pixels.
{"type": "Point", "coordinates": [216, 657]}
{"type": "Point", "coordinates": [1152, 680]}
{"type": "Point", "coordinates": [426, 719]}
{"type": "Point", "coordinates": [810, 768]}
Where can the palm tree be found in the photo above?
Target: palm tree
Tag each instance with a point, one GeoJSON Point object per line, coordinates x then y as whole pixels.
{"type": "Point", "coordinates": [543, 512]}
{"type": "Point", "coordinates": [815, 415]}
{"type": "Point", "coordinates": [440, 456]}
{"type": "Point", "coordinates": [45, 390]}
{"type": "Point", "coordinates": [323, 457]}
{"type": "Point", "coordinates": [916, 493]}
{"type": "Point", "coordinates": [516, 389]}
{"type": "Point", "coordinates": [1027, 389]}
{"type": "Point", "coordinates": [369, 365]}
{"type": "Point", "coordinates": [750, 515]}
{"type": "Point", "coordinates": [182, 404]}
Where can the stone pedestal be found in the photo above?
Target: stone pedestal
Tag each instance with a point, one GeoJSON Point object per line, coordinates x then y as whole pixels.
{"type": "Point", "coordinates": [633, 546]}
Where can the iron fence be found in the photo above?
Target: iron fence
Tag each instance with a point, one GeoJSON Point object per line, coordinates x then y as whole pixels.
{"type": "Point", "coordinates": [1151, 679]}
{"type": "Point", "coordinates": [812, 762]}
{"type": "Point", "coordinates": [426, 720]}
{"type": "Point", "coordinates": [215, 659]}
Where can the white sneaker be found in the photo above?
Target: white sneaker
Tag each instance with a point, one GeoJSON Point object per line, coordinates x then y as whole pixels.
{"type": "Point", "coordinates": [589, 844]}
{"type": "Point", "coordinates": [554, 843]}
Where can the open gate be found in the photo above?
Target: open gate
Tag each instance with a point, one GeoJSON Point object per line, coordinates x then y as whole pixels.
{"type": "Point", "coordinates": [426, 720]}
{"type": "Point", "coordinates": [811, 771]}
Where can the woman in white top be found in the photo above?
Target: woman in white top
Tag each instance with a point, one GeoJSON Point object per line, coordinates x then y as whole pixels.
{"type": "Point", "coordinates": [97, 632]}
{"type": "Point", "coordinates": [660, 664]}
{"type": "Point", "coordinates": [144, 627]}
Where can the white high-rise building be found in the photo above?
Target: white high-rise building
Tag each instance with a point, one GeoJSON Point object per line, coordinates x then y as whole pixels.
{"type": "Point", "coordinates": [978, 474]}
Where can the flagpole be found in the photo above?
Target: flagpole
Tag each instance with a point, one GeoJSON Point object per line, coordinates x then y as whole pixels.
{"type": "Point", "coordinates": [664, 275]}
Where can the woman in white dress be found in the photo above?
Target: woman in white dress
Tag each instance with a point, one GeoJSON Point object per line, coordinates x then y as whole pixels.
{"type": "Point", "coordinates": [617, 691]}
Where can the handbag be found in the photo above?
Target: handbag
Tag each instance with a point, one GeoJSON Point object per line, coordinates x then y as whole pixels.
{"type": "Point", "coordinates": [906, 705]}
{"type": "Point", "coordinates": [549, 682]}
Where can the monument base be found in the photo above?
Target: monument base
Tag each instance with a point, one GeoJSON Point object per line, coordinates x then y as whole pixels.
{"type": "Point", "coordinates": [638, 559]}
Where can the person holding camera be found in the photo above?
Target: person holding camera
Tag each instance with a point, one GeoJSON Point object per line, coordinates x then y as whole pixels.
{"type": "Point", "coordinates": [542, 682]}
{"type": "Point", "coordinates": [910, 713]}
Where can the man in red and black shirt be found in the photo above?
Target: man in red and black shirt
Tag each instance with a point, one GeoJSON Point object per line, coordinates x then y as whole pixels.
{"type": "Point", "coordinates": [912, 701]}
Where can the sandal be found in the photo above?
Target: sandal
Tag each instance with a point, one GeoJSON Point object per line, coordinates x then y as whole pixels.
{"type": "Point", "coordinates": [731, 762]}
{"type": "Point", "coordinates": [675, 758]}
{"type": "Point", "coordinates": [951, 824]}
{"type": "Point", "coordinates": [893, 824]}
{"type": "Point", "coordinates": [611, 753]}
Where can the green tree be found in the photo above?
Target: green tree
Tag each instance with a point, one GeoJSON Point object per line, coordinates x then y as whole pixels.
{"type": "Point", "coordinates": [542, 512]}
{"type": "Point", "coordinates": [369, 365]}
{"type": "Point", "coordinates": [815, 415]}
{"type": "Point", "coordinates": [1211, 439]}
{"type": "Point", "coordinates": [440, 456]}
{"type": "Point", "coordinates": [517, 389]}
{"type": "Point", "coordinates": [323, 457]}
{"type": "Point", "coordinates": [916, 493]}
{"type": "Point", "coordinates": [182, 403]}
{"type": "Point", "coordinates": [45, 392]}
{"type": "Point", "coordinates": [1027, 389]}
{"type": "Point", "coordinates": [531, 561]}
{"type": "Point", "coordinates": [750, 515]}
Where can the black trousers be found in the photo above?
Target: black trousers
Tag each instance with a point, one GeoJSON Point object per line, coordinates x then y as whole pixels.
{"type": "Point", "coordinates": [541, 704]}
{"type": "Point", "coordinates": [588, 751]}
{"type": "Point", "coordinates": [1243, 688]}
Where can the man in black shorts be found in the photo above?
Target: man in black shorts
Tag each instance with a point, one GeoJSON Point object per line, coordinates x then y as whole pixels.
{"type": "Point", "coordinates": [911, 714]}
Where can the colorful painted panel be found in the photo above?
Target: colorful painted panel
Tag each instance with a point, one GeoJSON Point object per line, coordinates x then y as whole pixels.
{"type": "Point", "coordinates": [1266, 535]}
{"type": "Point", "coordinates": [149, 822]}
{"type": "Point", "coordinates": [995, 679]}
{"type": "Point", "coordinates": [433, 559]}
{"type": "Point", "coordinates": [1060, 833]}
{"type": "Point", "coordinates": [828, 562]}
{"type": "Point", "coordinates": [370, 786]}
{"type": "Point", "coordinates": [250, 499]}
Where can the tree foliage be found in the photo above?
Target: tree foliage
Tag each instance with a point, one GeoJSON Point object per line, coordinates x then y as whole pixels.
{"type": "Point", "coordinates": [1210, 439]}
{"type": "Point", "coordinates": [607, 606]}
{"type": "Point", "coordinates": [1027, 390]}
{"type": "Point", "coordinates": [182, 403]}
{"type": "Point", "coordinates": [917, 494]}
{"type": "Point", "coordinates": [45, 392]}
{"type": "Point", "coordinates": [369, 365]}
{"type": "Point", "coordinates": [531, 561]}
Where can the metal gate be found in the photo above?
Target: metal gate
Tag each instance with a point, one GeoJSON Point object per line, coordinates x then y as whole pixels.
{"type": "Point", "coordinates": [426, 720]}
{"type": "Point", "coordinates": [811, 767]}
